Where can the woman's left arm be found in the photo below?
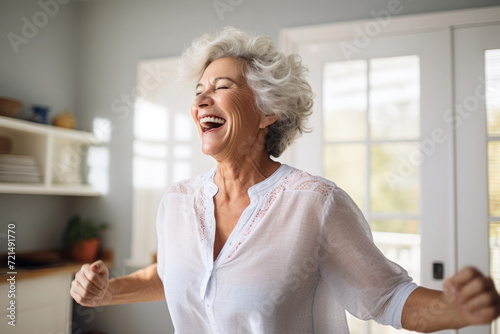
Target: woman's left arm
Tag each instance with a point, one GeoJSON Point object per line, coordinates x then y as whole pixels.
{"type": "Point", "coordinates": [469, 298]}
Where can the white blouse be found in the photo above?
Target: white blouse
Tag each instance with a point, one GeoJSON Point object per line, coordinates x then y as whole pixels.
{"type": "Point", "coordinates": [300, 255]}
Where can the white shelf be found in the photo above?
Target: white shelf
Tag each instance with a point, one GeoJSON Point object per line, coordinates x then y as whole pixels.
{"type": "Point", "coordinates": [41, 189]}
{"type": "Point", "coordinates": [45, 129]}
{"type": "Point", "coordinates": [60, 153]}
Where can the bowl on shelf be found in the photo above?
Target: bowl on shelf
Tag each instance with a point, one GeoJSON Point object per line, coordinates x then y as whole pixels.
{"type": "Point", "coordinates": [9, 107]}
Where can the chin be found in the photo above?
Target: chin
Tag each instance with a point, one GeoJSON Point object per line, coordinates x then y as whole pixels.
{"type": "Point", "coordinates": [209, 150]}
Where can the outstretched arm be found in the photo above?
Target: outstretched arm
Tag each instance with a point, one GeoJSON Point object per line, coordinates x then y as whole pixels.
{"type": "Point", "coordinates": [92, 286]}
{"type": "Point", "coordinates": [469, 298]}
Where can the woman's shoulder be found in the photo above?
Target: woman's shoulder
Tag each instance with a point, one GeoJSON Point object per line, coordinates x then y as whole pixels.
{"type": "Point", "coordinates": [299, 180]}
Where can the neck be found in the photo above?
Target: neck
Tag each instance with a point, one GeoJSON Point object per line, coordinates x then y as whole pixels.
{"type": "Point", "coordinates": [235, 177]}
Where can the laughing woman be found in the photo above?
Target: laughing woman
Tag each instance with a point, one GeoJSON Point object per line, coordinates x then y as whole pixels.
{"type": "Point", "coordinates": [255, 246]}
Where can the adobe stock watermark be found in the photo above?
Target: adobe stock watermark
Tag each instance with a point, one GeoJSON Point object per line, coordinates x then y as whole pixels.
{"type": "Point", "coordinates": [408, 165]}
{"type": "Point", "coordinates": [423, 317]}
{"type": "Point", "coordinates": [223, 6]}
{"type": "Point", "coordinates": [363, 35]}
{"type": "Point", "coordinates": [30, 28]}
{"type": "Point", "coordinates": [124, 105]}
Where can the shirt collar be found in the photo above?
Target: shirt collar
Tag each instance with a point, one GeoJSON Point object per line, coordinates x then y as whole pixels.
{"type": "Point", "coordinates": [260, 187]}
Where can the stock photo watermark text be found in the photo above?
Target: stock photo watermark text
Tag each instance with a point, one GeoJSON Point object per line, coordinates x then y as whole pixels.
{"type": "Point", "coordinates": [11, 280]}
{"type": "Point", "coordinates": [31, 27]}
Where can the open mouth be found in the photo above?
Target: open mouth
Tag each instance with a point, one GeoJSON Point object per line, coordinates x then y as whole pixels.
{"type": "Point", "coordinates": [211, 122]}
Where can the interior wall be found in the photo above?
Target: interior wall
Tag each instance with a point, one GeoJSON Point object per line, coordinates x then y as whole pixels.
{"type": "Point", "coordinates": [39, 221]}
{"type": "Point", "coordinates": [116, 35]}
{"type": "Point", "coordinates": [37, 54]}
{"type": "Point", "coordinates": [37, 66]}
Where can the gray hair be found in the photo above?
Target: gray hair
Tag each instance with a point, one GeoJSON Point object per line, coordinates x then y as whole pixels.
{"type": "Point", "coordinates": [277, 80]}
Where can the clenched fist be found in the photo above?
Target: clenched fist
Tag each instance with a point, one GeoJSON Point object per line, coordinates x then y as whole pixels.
{"type": "Point", "coordinates": [474, 296]}
{"type": "Point", "coordinates": [91, 283]}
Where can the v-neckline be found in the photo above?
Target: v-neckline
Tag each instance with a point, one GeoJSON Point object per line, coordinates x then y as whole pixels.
{"type": "Point", "coordinates": [246, 215]}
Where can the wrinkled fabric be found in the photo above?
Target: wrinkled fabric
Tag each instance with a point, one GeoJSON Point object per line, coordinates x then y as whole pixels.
{"type": "Point", "coordinates": [300, 255]}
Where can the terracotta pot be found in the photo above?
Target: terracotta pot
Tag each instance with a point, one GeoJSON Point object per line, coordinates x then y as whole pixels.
{"type": "Point", "coordinates": [86, 252]}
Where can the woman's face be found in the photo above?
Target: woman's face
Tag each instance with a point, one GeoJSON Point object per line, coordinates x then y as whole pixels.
{"type": "Point", "coordinates": [224, 111]}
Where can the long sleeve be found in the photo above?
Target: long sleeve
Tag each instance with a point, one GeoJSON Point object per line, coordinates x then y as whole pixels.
{"type": "Point", "coordinates": [362, 280]}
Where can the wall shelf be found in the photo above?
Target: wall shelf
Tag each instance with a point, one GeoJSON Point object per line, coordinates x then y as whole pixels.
{"type": "Point", "coordinates": [61, 155]}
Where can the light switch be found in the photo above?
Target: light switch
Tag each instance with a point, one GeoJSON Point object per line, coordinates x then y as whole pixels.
{"type": "Point", "coordinates": [438, 270]}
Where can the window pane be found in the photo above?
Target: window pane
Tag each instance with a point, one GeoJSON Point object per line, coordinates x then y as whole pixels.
{"type": "Point", "coordinates": [344, 100]}
{"type": "Point", "coordinates": [150, 150]}
{"type": "Point", "coordinates": [395, 226]}
{"type": "Point", "coordinates": [492, 69]}
{"type": "Point", "coordinates": [150, 121]}
{"type": "Point", "coordinates": [345, 164]}
{"type": "Point", "coordinates": [394, 98]}
{"type": "Point", "coordinates": [394, 184]}
{"type": "Point", "coordinates": [149, 174]}
{"type": "Point", "coordinates": [402, 248]}
{"type": "Point", "coordinates": [494, 177]}
{"type": "Point", "coordinates": [399, 240]}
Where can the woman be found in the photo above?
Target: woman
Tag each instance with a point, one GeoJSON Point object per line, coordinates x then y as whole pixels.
{"type": "Point", "coordinates": [255, 246]}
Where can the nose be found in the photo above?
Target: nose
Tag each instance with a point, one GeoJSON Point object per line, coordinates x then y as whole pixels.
{"type": "Point", "coordinates": [203, 100]}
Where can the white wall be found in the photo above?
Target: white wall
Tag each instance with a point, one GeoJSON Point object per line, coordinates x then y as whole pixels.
{"type": "Point", "coordinates": [42, 68]}
{"type": "Point", "coordinates": [86, 57]}
{"type": "Point", "coordinates": [42, 71]}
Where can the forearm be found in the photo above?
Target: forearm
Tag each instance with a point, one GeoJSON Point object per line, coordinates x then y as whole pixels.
{"type": "Point", "coordinates": [428, 310]}
{"type": "Point", "coordinates": [143, 285]}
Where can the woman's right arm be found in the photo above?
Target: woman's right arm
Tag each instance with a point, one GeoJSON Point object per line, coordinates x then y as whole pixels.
{"type": "Point", "coordinates": [92, 286]}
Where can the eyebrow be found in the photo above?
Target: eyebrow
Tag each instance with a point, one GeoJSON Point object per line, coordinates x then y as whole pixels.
{"type": "Point", "coordinates": [215, 81]}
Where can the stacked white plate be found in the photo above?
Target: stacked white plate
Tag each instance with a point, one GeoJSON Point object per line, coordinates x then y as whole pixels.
{"type": "Point", "coordinates": [19, 169]}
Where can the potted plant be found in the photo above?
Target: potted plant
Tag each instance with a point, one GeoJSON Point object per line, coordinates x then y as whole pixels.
{"type": "Point", "coordinates": [82, 238]}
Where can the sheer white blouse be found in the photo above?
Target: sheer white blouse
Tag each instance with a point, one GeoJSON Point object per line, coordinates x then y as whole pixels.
{"type": "Point", "coordinates": [300, 255]}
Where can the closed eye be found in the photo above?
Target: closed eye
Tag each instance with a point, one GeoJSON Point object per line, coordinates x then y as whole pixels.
{"type": "Point", "coordinates": [221, 87]}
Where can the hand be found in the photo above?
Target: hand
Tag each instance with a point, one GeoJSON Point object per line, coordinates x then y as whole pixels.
{"type": "Point", "coordinates": [90, 284]}
{"type": "Point", "coordinates": [474, 296]}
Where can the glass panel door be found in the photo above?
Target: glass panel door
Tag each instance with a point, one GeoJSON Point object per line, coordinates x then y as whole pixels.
{"type": "Point", "coordinates": [371, 120]}
{"type": "Point", "coordinates": [379, 133]}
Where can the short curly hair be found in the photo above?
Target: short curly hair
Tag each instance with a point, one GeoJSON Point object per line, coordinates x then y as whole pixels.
{"type": "Point", "coordinates": [277, 80]}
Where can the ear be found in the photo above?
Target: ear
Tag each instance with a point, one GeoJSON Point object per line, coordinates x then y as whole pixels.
{"type": "Point", "coordinates": [267, 120]}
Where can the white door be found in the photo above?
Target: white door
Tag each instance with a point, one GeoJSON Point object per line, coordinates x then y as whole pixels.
{"type": "Point", "coordinates": [477, 124]}
{"type": "Point", "coordinates": [380, 132]}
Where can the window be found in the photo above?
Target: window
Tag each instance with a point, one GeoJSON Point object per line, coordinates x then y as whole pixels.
{"type": "Point", "coordinates": [166, 148]}
{"type": "Point", "coordinates": [371, 120]}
